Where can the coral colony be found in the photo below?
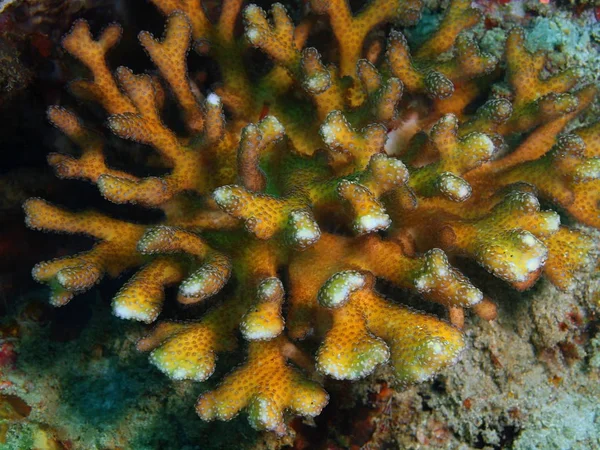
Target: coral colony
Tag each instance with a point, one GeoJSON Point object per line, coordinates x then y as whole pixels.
{"type": "Point", "coordinates": [364, 160]}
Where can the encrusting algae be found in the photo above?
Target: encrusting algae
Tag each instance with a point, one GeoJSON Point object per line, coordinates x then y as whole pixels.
{"type": "Point", "coordinates": [302, 188]}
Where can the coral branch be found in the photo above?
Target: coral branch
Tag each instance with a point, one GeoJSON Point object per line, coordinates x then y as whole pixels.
{"type": "Point", "coordinates": [169, 57]}
{"type": "Point", "coordinates": [266, 386]}
{"type": "Point", "coordinates": [70, 275]}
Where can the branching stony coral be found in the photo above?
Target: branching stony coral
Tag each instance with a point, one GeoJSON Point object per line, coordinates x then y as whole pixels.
{"type": "Point", "coordinates": [300, 189]}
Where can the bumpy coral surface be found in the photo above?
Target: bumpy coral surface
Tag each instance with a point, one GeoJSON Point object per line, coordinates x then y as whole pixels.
{"type": "Point", "coordinates": [293, 188]}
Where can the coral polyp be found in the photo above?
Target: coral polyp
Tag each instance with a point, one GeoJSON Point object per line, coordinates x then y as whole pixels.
{"type": "Point", "coordinates": [294, 188]}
